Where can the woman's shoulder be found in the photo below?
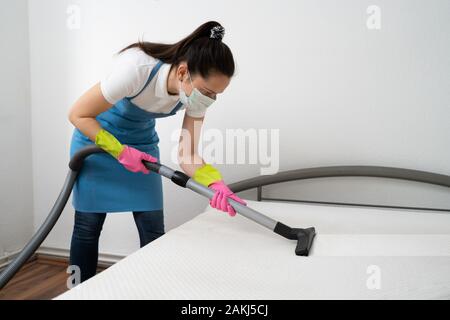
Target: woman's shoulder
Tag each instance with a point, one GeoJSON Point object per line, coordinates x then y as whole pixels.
{"type": "Point", "coordinates": [137, 58]}
{"type": "Point", "coordinates": [127, 75]}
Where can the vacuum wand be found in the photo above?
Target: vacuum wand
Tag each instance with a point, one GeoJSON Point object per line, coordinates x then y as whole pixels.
{"type": "Point", "coordinates": [304, 237]}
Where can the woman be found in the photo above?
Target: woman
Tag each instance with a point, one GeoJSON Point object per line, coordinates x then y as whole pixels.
{"type": "Point", "coordinates": [147, 81]}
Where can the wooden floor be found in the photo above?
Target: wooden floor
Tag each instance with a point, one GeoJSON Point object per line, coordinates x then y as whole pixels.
{"type": "Point", "coordinates": [42, 278]}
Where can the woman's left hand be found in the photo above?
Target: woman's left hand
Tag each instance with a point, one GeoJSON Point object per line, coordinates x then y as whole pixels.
{"type": "Point", "coordinates": [220, 202]}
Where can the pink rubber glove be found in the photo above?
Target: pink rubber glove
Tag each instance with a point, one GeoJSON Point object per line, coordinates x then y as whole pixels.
{"type": "Point", "coordinates": [131, 159]}
{"type": "Point", "coordinates": [219, 201]}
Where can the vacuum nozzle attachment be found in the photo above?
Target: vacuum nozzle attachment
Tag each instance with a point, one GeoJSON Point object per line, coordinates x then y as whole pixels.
{"type": "Point", "coordinates": [304, 237]}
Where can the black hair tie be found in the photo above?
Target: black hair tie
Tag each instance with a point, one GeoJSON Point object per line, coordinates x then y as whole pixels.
{"type": "Point", "coordinates": [218, 32]}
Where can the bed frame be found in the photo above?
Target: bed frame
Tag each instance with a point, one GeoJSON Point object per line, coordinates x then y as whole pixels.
{"type": "Point", "coordinates": [343, 171]}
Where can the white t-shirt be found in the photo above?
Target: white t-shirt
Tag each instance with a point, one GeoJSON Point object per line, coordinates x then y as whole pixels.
{"type": "Point", "coordinates": [129, 74]}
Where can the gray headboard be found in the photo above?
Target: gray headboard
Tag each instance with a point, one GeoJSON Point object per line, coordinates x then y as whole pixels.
{"type": "Point", "coordinates": [343, 171]}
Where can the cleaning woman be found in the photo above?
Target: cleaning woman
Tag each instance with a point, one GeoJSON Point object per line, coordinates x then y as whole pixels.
{"type": "Point", "coordinates": [147, 81]}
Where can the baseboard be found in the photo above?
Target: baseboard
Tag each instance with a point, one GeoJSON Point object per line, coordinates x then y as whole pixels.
{"type": "Point", "coordinates": [104, 259]}
{"type": "Point", "coordinates": [6, 259]}
{"type": "Point", "coordinates": [58, 255]}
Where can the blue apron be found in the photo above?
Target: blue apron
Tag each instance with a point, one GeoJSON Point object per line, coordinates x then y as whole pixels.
{"type": "Point", "coordinates": [103, 184]}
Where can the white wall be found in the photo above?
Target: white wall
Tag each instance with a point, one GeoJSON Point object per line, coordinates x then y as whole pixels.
{"type": "Point", "coordinates": [16, 196]}
{"type": "Point", "coordinates": [339, 93]}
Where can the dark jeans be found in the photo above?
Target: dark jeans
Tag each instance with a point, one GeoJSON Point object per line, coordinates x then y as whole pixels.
{"type": "Point", "coordinates": [86, 233]}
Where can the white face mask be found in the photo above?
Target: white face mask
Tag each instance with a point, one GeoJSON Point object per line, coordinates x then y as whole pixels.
{"type": "Point", "coordinates": [196, 101]}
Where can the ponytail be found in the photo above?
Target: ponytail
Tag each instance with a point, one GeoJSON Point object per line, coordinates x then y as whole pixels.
{"type": "Point", "coordinates": [203, 50]}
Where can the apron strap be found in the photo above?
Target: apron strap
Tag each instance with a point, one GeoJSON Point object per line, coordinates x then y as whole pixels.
{"type": "Point", "coordinates": [152, 75]}
{"type": "Point", "coordinates": [177, 107]}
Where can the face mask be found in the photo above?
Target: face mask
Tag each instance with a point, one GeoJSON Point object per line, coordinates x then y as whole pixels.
{"type": "Point", "coordinates": [196, 101]}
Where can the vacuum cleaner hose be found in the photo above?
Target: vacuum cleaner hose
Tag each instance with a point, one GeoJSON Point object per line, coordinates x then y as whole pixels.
{"type": "Point", "coordinates": [30, 248]}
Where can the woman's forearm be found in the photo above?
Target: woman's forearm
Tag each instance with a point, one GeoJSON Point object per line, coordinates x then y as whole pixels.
{"type": "Point", "coordinates": [190, 164]}
{"type": "Point", "coordinates": [86, 108]}
{"type": "Point", "coordinates": [88, 126]}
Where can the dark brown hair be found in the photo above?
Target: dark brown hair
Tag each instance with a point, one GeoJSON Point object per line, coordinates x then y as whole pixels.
{"type": "Point", "coordinates": [204, 55]}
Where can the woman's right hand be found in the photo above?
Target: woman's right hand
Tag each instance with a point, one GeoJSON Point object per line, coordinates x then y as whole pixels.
{"type": "Point", "coordinates": [131, 159]}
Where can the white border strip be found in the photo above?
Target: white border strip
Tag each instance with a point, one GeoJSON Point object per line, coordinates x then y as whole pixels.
{"type": "Point", "coordinates": [382, 245]}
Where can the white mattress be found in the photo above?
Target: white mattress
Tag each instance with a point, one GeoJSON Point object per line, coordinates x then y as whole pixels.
{"type": "Point", "coordinates": [359, 253]}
